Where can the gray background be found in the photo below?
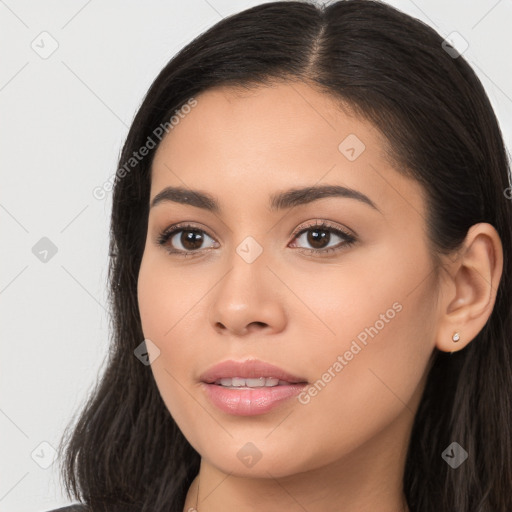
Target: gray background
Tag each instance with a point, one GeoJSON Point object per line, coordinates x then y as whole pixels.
{"type": "Point", "coordinates": [64, 118]}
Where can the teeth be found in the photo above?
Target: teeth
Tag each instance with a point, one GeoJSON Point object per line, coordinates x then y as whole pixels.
{"type": "Point", "coordinates": [237, 382]}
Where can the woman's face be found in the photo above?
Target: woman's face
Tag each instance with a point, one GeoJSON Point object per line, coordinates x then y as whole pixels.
{"type": "Point", "coordinates": [352, 315]}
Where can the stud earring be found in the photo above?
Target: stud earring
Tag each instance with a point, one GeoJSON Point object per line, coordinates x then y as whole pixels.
{"type": "Point", "coordinates": [456, 337]}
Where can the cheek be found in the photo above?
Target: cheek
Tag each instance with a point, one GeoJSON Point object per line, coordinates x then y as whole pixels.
{"type": "Point", "coordinates": [380, 337]}
{"type": "Point", "coordinates": [152, 299]}
{"type": "Point", "coordinates": [164, 297]}
{"type": "Point", "coordinates": [362, 387]}
{"type": "Point", "coordinates": [167, 303]}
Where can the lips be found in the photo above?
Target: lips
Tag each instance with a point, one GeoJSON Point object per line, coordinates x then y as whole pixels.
{"type": "Point", "coordinates": [249, 369]}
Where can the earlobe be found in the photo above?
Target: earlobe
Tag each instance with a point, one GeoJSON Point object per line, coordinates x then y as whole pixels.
{"type": "Point", "coordinates": [469, 293]}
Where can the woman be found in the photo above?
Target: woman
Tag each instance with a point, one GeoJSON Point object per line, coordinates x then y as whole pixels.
{"type": "Point", "coordinates": [310, 278]}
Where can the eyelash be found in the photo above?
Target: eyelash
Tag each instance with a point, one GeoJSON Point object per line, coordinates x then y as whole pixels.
{"type": "Point", "coordinates": [168, 233]}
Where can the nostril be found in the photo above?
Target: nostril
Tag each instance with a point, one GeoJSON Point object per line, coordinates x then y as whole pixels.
{"type": "Point", "coordinates": [256, 326]}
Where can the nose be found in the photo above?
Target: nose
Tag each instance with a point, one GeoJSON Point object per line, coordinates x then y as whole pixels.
{"type": "Point", "coordinates": [248, 299]}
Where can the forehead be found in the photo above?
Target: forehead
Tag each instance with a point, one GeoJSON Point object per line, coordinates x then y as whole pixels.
{"type": "Point", "coordinates": [280, 116]}
{"type": "Point", "coordinates": [272, 137]}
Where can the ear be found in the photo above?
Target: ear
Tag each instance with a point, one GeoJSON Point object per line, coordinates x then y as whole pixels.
{"type": "Point", "coordinates": [468, 293]}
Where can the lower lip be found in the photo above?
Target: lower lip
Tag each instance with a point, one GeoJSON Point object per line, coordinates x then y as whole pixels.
{"type": "Point", "coordinates": [250, 401]}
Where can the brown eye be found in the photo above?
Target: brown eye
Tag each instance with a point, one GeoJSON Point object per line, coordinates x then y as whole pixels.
{"type": "Point", "coordinates": [190, 239]}
{"type": "Point", "coordinates": [318, 236]}
{"type": "Point", "coordinates": [183, 240]}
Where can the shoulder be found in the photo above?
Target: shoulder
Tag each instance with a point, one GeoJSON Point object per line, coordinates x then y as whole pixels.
{"type": "Point", "coordinates": [80, 507]}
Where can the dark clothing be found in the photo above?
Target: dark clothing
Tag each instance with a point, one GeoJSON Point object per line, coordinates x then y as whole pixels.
{"type": "Point", "coordinates": [81, 507]}
{"type": "Point", "coordinates": [71, 508]}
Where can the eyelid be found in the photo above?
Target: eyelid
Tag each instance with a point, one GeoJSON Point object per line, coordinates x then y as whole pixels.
{"type": "Point", "coordinates": [166, 234]}
{"type": "Point", "coordinates": [182, 226]}
{"type": "Point", "coordinates": [325, 224]}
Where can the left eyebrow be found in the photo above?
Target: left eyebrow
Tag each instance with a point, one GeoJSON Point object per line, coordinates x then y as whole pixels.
{"type": "Point", "coordinates": [299, 196]}
{"type": "Point", "coordinates": [278, 201]}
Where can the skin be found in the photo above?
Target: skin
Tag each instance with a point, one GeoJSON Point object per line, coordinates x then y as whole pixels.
{"type": "Point", "coordinates": [345, 449]}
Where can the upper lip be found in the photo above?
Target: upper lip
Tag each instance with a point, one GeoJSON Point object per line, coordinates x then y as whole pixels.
{"type": "Point", "coordinates": [249, 368]}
